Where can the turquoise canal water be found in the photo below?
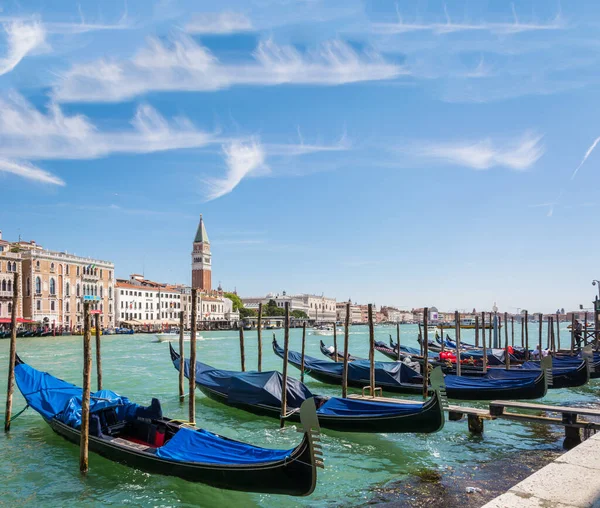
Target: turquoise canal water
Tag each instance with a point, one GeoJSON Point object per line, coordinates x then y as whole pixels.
{"type": "Point", "coordinates": [38, 467]}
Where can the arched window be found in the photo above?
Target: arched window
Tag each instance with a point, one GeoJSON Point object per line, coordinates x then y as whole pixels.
{"type": "Point", "coordinates": [110, 293]}
{"type": "Point", "coordinates": [38, 305]}
{"type": "Point", "coordinates": [37, 265]}
{"type": "Point", "coordinates": [67, 306]}
{"type": "Point", "coordinates": [78, 290]}
{"type": "Point", "coordinates": [68, 290]}
{"type": "Point", "coordinates": [9, 286]}
{"type": "Point", "coordinates": [3, 285]}
{"type": "Point", "coordinates": [9, 308]}
{"type": "Point", "coordinates": [52, 287]}
{"type": "Point", "coordinates": [52, 305]}
{"type": "Point", "coordinates": [38, 285]}
{"type": "Point", "coordinates": [52, 266]}
{"type": "Point", "coordinates": [101, 292]}
{"type": "Point", "coordinates": [28, 288]}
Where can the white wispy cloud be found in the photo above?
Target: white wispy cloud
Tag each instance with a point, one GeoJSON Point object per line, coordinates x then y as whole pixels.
{"type": "Point", "coordinates": [29, 172]}
{"type": "Point", "coordinates": [21, 39]}
{"type": "Point", "coordinates": [400, 26]}
{"type": "Point", "coordinates": [248, 158]}
{"type": "Point", "coordinates": [184, 65]}
{"type": "Point", "coordinates": [241, 159]}
{"type": "Point", "coordinates": [585, 157]}
{"type": "Point", "coordinates": [226, 22]}
{"type": "Point", "coordinates": [26, 132]}
{"type": "Point", "coordinates": [518, 154]}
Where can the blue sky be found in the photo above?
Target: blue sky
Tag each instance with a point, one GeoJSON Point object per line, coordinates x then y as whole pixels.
{"type": "Point", "coordinates": [408, 153]}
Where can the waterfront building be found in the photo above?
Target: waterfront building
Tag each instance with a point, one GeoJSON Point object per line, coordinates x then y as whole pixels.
{"type": "Point", "coordinates": [296, 302]}
{"type": "Point", "coordinates": [149, 303]}
{"type": "Point", "coordinates": [54, 285]}
{"type": "Point", "coordinates": [355, 314]}
{"type": "Point", "coordinates": [154, 305]}
{"type": "Point", "coordinates": [319, 308]}
{"type": "Point", "coordinates": [201, 260]}
{"type": "Point", "coordinates": [10, 263]}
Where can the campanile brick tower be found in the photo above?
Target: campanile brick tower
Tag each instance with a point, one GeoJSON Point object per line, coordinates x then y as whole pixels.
{"type": "Point", "coordinates": [201, 263]}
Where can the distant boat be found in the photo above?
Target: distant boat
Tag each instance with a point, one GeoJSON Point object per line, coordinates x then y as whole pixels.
{"type": "Point", "coordinates": [174, 336]}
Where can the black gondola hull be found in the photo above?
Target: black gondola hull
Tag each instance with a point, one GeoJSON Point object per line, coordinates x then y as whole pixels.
{"type": "Point", "coordinates": [429, 420]}
{"type": "Point", "coordinates": [295, 476]}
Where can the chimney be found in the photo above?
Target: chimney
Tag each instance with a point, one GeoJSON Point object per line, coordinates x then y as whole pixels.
{"type": "Point", "coordinates": [0, 234]}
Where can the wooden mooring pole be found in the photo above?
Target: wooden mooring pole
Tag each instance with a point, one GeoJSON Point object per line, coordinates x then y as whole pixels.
{"type": "Point", "coordinates": [346, 340]}
{"type": "Point", "coordinates": [540, 317]}
{"type": "Point", "coordinates": [371, 351]}
{"type": "Point", "coordinates": [476, 331]}
{"type": "Point", "coordinates": [443, 340]}
{"type": "Point", "coordinates": [425, 373]}
{"type": "Point", "coordinates": [398, 341]}
{"type": "Point", "coordinates": [181, 357]}
{"type": "Point", "coordinates": [526, 336]}
{"type": "Point", "coordinates": [242, 351]}
{"type": "Point", "coordinates": [286, 348]}
{"type": "Point", "coordinates": [490, 343]}
{"type": "Point", "coordinates": [557, 331]}
{"type": "Point", "coordinates": [512, 331]}
{"type": "Point", "coordinates": [12, 357]}
{"type": "Point", "coordinates": [303, 350]}
{"type": "Point", "coordinates": [85, 395]}
{"type": "Point", "coordinates": [192, 369]}
{"type": "Point", "coordinates": [98, 354]}
{"type": "Point", "coordinates": [585, 329]}
{"type": "Point", "coordinates": [335, 355]}
{"type": "Point", "coordinates": [506, 353]}
{"type": "Point", "coordinates": [457, 341]}
{"type": "Point", "coordinates": [484, 358]}
{"type": "Point", "coordinates": [259, 333]}
{"type": "Point", "coordinates": [421, 339]}
{"type": "Point", "coordinates": [572, 332]}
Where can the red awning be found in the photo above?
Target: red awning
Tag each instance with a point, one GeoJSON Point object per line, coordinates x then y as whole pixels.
{"type": "Point", "coordinates": [19, 320]}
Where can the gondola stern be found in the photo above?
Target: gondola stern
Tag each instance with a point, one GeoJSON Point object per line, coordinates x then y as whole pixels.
{"type": "Point", "coordinates": [438, 386]}
{"type": "Point", "coordinates": [312, 434]}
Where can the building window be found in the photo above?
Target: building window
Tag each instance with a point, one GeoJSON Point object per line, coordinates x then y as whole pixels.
{"type": "Point", "coordinates": [51, 267]}
{"type": "Point", "coordinates": [10, 308]}
{"type": "Point", "coordinates": [78, 290]}
{"type": "Point", "coordinates": [28, 287]}
{"type": "Point", "coordinates": [67, 269]}
{"type": "Point", "coordinates": [68, 290]}
{"type": "Point", "coordinates": [67, 306]}
{"type": "Point", "coordinates": [38, 285]}
{"type": "Point", "coordinates": [4, 285]}
{"type": "Point", "coordinates": [37, 265]}
{"type": "Point", "coordinates": [38, 305]}
{"type": "Point", "coordinates": [9, 286]}
{"type": "Point", "coordinates": [100, 272]}
{"type": "Point", "coordinates": [52, 286]}
{"type": "Point", "coordinates": [110, 293]}
{"type": "Point", "coordinates": [78, 270]}
{"type": "Point", "coordinates": [52, 305]}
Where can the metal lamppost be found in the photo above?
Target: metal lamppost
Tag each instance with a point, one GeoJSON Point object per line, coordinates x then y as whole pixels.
{"type": "Point", "coordinates": [596, 282]}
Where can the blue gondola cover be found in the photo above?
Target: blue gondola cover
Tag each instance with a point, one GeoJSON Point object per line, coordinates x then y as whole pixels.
{"type": "Point", "coordinates": [205, 447]}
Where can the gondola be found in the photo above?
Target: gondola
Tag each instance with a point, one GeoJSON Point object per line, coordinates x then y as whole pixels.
{"type": "Point", "coordinates": [398, 377]}
{"type": "Point", "coordinates": [328, 352]}
{"type": "Point", "coordinates": [260, 393]}
{"type": "Point", "coordinates": [141, 437]}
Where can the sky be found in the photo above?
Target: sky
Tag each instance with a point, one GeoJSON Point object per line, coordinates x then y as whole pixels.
{"type": "Point", "coordinates": [410, 153]}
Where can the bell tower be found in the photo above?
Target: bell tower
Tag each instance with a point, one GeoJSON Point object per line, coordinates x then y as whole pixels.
{"type": "Point", "coordinates": [201, 260]}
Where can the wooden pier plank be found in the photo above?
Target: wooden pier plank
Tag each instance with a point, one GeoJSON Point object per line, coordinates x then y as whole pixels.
{"type": "Point", "coordinates": [544, 407]}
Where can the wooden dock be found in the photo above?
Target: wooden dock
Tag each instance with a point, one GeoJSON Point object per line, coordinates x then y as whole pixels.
{"type": "Point", "coordinates": [570, 417]}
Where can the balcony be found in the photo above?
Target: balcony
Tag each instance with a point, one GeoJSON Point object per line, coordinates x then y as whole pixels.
{"type": "Point", "coordinates": [6, 294]}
